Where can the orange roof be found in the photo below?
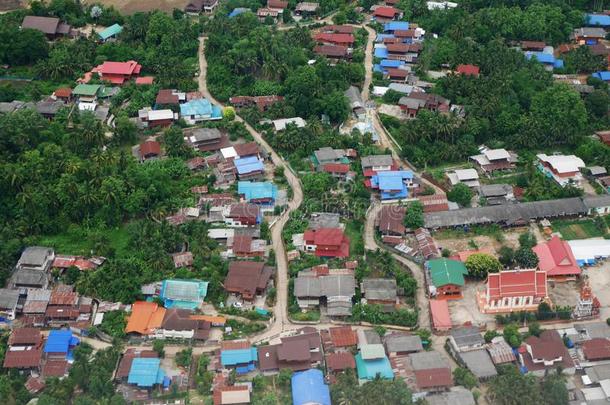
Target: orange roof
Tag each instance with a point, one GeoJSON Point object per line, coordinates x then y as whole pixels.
{"type": "Point", "coordinates": [439, 310]}
{"type": "Point", "coordinates": [145, 317]}
{"type": "Point", "coordinates": [211, 319]}
{"type": "Point", "coordinates": [465, 254]}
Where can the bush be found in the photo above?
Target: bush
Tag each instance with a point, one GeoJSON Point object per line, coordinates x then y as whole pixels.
{"type": "Point", "coordinates": [479, 264]}
{"type": "Point", "coordinates": [461, 194]}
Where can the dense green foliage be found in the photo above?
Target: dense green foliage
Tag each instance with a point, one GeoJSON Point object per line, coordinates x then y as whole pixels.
{"type": "Point", "coordinates": [480, 264]}
{"type": "Point", "coordinates": [114, 323]}
{"type": "Point", "coordinates": [378, 391]}
{"type": "Point", "coordinates": [511, 387]}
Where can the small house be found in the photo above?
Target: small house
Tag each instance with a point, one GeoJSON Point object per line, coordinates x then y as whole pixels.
{"type": "Point", "coordinates": [446, 278]}
{"type": "Point", "coordinates": [327, 242]}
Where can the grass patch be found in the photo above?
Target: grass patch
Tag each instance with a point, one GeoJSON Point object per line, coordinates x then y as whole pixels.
{"type": "Point", "coordinates": [307, 316]}
{"type": "Point", "coordinates": [355, 231]}
{"type": "Point", "coordinates": [77, 240]}
{"type": "Point", "coordinates": [493, 231]}
{"type": "Point", "coordinates": [580, 229]}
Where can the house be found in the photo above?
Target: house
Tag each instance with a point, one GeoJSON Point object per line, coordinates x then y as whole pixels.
{"type": "Point", "coordinates": [596, 349]}
{"type": "Point", "coordinates": [263, 103]}
{"type": "Point", "coordinates": [309, 387]}
{"type": "Point", "coordinates": [469, 177]}
{"type": "Point", "coordinates": [250, 167]}
{"type": "Point", "coordinates": [264, 13]}
{"type": "Point", "coordinates": [8, 303]}
{"type": "Point", "coordinates": [231, 394]}
{"type": "Point", "coordinates": [431, 371]}
{"type": "Point", "coordinates": [207, 139]}
{"type": "Point", "coordinates": [513, 290]}
{"type": "Point", "coordinates": [182, 259]}
{"type": "Point", "coordinates": [263, 193]}
{"type": "Point", "coordinates": [24, 350]}
{"type": "Point", "coordinates": [446, 278]}
{"type": "Point", "coordinates": [478, 362]}
{"type": "Point", "coordinates": [384, 14]}
{"type": "Point", "coordinates": [342, 337]}
{"type": "Point", "coordinates": [301, 351]}
{"type": "Point", "coordinates": [393, 26]}
{"type": "Point", "coordinates": [492, 160]}
{"type": "Point", "coordinates": [598, 20]}
{"type": "Point", "coordinates": [198, 6]}
{"type": "Point", "coordinates": [536, 46]}
{"type": "Point", "coordinates": [588, 35]}
{"type": "Point", "coordinates": [602, 75]}
{"type": "Point", "coordinates": [199, 110]}
{"type": "Point", "coordinates": [466, 338]}
{"type": "Point", "coordinates": [391, 220]}
{"type": "Point", "coordinates": [184, 294]}
{"type": "Point", "coordinates": [434, 203]}
{"type": "Point", "coordinates": [245, 246]}
{"type": "Point", "coordinates": [149, 150]}
{"type": "Point", "coordinates": [546, 352]}
{"type": "Point", "coordinates": [279, 5]}
{"type": "Point", "coordinates": [238, 355]}
{"type": "Point", "coordinates": [178, 324]}
{"type": "Point", "coordinates": [242, 214]}
{"type": "Point", "coordinates": [306, 9]}
{"type": "Point", "coordinates": [597, 205]}
{"type": "Point", "coordinates": [156, 118]}
{"type": "Point", "coordinates": [122, 371]}
{"type": "Point", "coordinates": [247, 278]}
{"type": "Point", "coordinates": [340, 29]}
{"type": "Point", "coordinates": [327, 242]}
{"type": "Point", "coordinates": [556, 259]}
{"type": "Point", "coordinates": [439, 314]}
{"type": "Point", "coordinates": [146, 372]}
{"type": "Point", "coordinates": [500, 351]}
{"type": "Point", "coordinates": [467, 70]}
{"type": "Point", "coordinates": [416, 101]}
{"type": "Point", "coordinates": [32, 268]}
{"type": "Point", "coordinates": [339, 171]}
{"type": "Point", "coordinates": [397, 75]}
{"type": "Point", "coordinates": [52, 27]}
{"type": "Point", "coordinates": [497, 194]}
{"type": "Point", "coordinates": [168, 98]}
{"type": "Point", "coordinates": [144, 80]}
{"type": "Point", "coordinates": [110, 33]}
{"type": "Point", "coordinates": [339, 362]}
{"type": "Point", "coordinates": [380, 291]}
{"type": "Point", "coordinates": [563, 169]}
{"type": "Point", "coordinates": [456, 395]}
{"type": "Point", "coordinates": [336, 290]}
{"type": "Point", "coordinates": [392, 184]}
{"type": "Point", "coordinates": [60, 344]}
{"type": "Point", "coordinates": [372, 362]}
{"type": "Point", "coordinates": [426, 244]}
{"type": "Point", "coordinates": [324, 38]}
{"type": "Point", "coordinates": [282, 124]}
{"type": "Point", "coordinates": [399, 344]}
{"type": "Point", "coordinates": [145, 318]}
{"type": "Point", "coordinates": [118, 72]}
{"type": "Point", "coordinates": [548, 60]}
{"type": "Point", "coordinates": [87, 94]}
{"type": "Point", "coordinates": [353, 95]}
{"type": "Point", "coordinates": [325, 156]}
{"type": "Point", "coordinates": [373, 164]}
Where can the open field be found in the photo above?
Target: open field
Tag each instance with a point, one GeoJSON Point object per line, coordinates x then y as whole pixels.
{"type": "Point", "coordinates": [133, 6]}
{"type": "Point", "coordinates": [581, 229]}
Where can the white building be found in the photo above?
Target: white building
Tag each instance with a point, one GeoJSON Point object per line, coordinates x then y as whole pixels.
{"type": "Point", "coordinates": [470, 177]}
{"type": "Point", "coordinates": [564, 169]}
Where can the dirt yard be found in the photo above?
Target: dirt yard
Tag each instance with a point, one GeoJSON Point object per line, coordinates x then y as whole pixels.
{"type": "Point", "coordinates": [565, 293]}
{"type": "Point", "coordinates": [599, 278]}
{"type": "Point", "coordinates": [459, 242]}
{"type": "Point", "coordinates": [467, 310]}
{"type": "Point", "coordinates": [133, 6]}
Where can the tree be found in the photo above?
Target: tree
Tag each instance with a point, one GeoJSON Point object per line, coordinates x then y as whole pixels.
{"type": "Point", "coordinates": [534, 329]}
{"type": "Point", "coordinates": [175, 145]}
{"type": "Point", "coordinates": [378, 391]}
{"type": "Point", "coordinates": [554, 390]}
{"type": "Point", "coordinates": [465, 378]}
{"type": "Point", "coordinates": [479, 264]}
{"type": "Point", "coordinates": [526, 258]}
{"type": "Point", "coordinates": [511, 387]}
{"type": "Point", "coordinates": [284, 378]}
{"type": "Point", "coordinates": [597, 103]}
{"type": "Point", "coordinates": [184, 357]}
{"type": "Point", "coordinates": [490, 334]}
{"type": "Point", "coordinates": [527, 240]}
{"type": "Point", "coordinates": [159, 347]}
{"type": "Point", "coordinates": [511, 335]}
{"type": "Point", "coordinates": [335, 106]}
{"type": "Point", "coordinates": [125, 131]}
{"type": "Point", "coordinates": [461, 194]}
{"type": "Point", "coordinates": [414, 215]}
{"type": "Point", "coordinates": [228, 113]}
{"type": "Point", "coordinates": [114, 323]}
{"type": "Point", "coordinates": [507, 256]}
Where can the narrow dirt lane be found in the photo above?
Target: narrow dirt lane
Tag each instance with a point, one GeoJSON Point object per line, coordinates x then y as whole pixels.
{"type": "Point", "coordinates": [280, 309]}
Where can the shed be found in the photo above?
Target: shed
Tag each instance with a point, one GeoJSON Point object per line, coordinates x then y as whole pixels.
{"type": "Point", "coordinates": [111, 31]}
{"type": "Point", "coordinates": [308, 387]}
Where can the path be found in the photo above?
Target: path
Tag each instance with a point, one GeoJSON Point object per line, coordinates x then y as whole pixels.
{"type": "Point", "coordinates": [326, 20]}
{"type": "Point", "coordinates": [280, 309]}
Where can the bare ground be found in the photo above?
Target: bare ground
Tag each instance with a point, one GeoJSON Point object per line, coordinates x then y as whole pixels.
{"type": "Point", "coordinates": [133, 6]}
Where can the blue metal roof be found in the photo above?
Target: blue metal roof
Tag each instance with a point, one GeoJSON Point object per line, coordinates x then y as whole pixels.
{"type": "Point", "coordinates": [368, 369]}
{"type": "Point", "coordinates": [541, 57]}
{"type": "Point", "coordinates": [111, 31]}
{"type": "Point", "coordinates": [248, 165]}
{"type": "Point", "coordinates": [308, 387]}
{"type": "Point", "coordinates": [237, 11]}
{"type": "Point", "coordinates": [145, 372]}
{"type": "Point", "coordinates": [256, 190]}
{"type": "Point", "coordinates": [381, 37]}
{"type": "Point", "coordinates": [381, 52]}
{"type": "Point", "coordinates": [396, 25]}
{"type": "Point", "coordinates": [391, 63]}
{"type": "Point", "coordinates": [199, 106]}
{"type": "Point", "coordinates": [605, 76]}
{"type": "Point", "coordinates": [238, 356]}
{"type": "Point", "coordinates": [600, 20]}
{"type": "Point", "coordinates": [184, 294]}
{"type": "Point", "coordinates": [59, 341]}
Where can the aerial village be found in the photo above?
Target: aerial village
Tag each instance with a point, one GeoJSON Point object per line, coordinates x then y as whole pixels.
{"type": "Point", "coordinates": [404, 202]}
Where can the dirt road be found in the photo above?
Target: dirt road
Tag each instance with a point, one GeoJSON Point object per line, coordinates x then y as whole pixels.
{"type": "Point", "coordinates": [280, 310]}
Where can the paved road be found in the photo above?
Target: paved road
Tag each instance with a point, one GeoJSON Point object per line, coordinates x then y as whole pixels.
{"type": "Point", "coordinates": [280, 310]}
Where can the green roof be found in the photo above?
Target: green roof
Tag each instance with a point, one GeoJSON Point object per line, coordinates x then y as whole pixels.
{"type": "Point", "coordinates": [110, 31]}
{"type": "Point", "coordinates": [447, 271]}
{"type": "Point", "coordinates": [86, 89]}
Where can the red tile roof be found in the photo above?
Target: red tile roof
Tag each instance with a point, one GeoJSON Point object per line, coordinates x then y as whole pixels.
{"type": "Point", "coordinates": [434, 377]}
{"type": "Point", "coordinates": [342, 29]}
{"type": "Point", "coordinates": [468, 70]}
{"type": "Point", "coordinates": [596, 349]}
{"type": "Point", "coordinates": [434, 203]}
{"type": "Point", "coordinates": [55, 368]}
{"type": "Point", "coordinates": [556, 258]}
{"type": "Point", "coordinates": [439, 312]}
{"type": "Point", "coordinates": [25, 336]}
{"type": "Point", "coordinates": [398, 47]}
{"type": "Point", "coordinates": [23, 358]}
{"type": "Point", "coordinates": [334, 38]}
{"type": "Point", "coordinates": [549, 346]}
{"type": "Point", "coordinates": [246, 149]}
{"type": "Point", "coordinates": [343, 336]}
{"type": "Point", "coordinates": [387, 12]}
{"type": "Point", "coordinates": [395, 72]}
{"type": "Point", "coordinates": [247, 278]}
{"type": "Point", "coordinates": [336, 168]}
{"type": "Point", "coordinates": [150, 148]}
{"type": "Point", "coordinates": [324, 236]}
{"type": "Point", "coordinates": [34, 385]}
{"type": "Point", "coordinates": [332, 51]}
{"type": "Point", "coordinates": [145, 317]}
{"type": "Point", "coordinates": [119, 68]}
{"type": "Point", "coordinates": [465, 254]}
{"type": "Point", "coordinates": [277, 4]}
{"type": "Point", "coordinates": [63, 92]}
{"type": "Point", "coordinates": [391, 219]}
{"type": "Point", "coordinates": [517, 283]}
{"type": "Point", "coordinates": [167, 96]}
{"type": "Point", "coordinates": [242, 244]}
{"type": "Point", "coordinates": [235, 344]}
{"type": "Point", "coordinates": [145, 80]}
{"type": "Point", "coordinates": [340, 361]}
{"type": "Point", "coordinates": [69, 298]}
